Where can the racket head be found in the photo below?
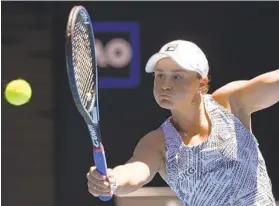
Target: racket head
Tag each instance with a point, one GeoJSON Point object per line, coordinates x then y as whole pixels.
{"type": "Point", "coordinates": [82, 64]}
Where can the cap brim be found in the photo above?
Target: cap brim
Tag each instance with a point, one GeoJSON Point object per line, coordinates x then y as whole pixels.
{"type": "Point", "coordinates": [153, 61]}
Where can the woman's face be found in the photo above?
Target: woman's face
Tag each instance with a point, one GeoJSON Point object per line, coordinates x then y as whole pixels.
{"type": "Point", "coordinates": [174, 86]}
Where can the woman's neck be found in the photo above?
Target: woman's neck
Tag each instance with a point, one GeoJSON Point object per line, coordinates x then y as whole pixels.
{"type": "Point", "coordinates": [191, 120]}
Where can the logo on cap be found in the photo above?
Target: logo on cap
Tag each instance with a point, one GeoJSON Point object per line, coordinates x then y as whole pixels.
{"type": "Point", "coordinates": [171, 47]}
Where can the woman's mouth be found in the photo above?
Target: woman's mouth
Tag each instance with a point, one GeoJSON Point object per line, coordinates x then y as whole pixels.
{"type": "Point", "coordinates": [164, 96]}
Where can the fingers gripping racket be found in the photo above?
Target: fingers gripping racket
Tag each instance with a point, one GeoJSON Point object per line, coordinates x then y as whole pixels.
{"type": "Point", "coordinates": [83, 79]}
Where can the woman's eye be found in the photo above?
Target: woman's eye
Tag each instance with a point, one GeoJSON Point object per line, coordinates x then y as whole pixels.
{"type": "Point", "coordinates": [159, 76]}
{"type": "Point", "coordinates": [177, 77]}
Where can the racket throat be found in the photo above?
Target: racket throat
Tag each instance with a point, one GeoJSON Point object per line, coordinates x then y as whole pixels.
{"type": "Point", "coordinates": [94, 133]}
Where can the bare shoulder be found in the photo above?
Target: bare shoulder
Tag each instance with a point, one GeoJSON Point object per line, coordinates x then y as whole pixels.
{"type": "Point", "coordinates": [150, 150]}
{"type": "Point", "coordinates": [153, 140]}
{"type": "Point", "coordinates": [224, 95]}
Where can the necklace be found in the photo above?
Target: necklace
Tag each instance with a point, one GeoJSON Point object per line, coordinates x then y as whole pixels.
{"type": "Point", "coordinates": [183, 134]}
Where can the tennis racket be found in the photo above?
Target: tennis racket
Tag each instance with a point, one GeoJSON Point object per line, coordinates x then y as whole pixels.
{"type": "Point", "coordinates": [83, 79]}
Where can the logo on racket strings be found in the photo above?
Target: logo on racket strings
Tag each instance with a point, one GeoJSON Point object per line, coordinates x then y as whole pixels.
{"type": "Point", "coordinates": [84, 17]}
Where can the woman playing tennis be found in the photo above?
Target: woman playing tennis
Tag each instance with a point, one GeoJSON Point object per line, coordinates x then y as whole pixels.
{"type": "Point", "coordinates": [205, 150]}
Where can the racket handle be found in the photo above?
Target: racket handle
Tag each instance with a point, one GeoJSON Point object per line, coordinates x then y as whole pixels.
{"type": "Point", "coordinates": [101, 165]}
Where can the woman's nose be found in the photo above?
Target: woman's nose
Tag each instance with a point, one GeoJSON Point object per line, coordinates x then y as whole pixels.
{"type": "Point", "coordinates": [166, 87]}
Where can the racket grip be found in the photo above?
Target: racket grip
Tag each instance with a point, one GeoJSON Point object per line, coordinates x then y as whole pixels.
{"type": "Point", "coordinates": [101, 165]}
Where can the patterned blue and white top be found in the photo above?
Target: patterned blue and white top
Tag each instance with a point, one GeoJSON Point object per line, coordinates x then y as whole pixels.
{"type": "Point", "coordinates": [226, 169]}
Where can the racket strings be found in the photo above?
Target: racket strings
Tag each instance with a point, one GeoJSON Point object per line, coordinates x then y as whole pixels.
{"type": "Point", "coordinates": [83, 65]}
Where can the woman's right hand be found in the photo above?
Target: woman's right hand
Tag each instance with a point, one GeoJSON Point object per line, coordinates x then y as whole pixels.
{"type": "Point", "coordinates": [100, 185]}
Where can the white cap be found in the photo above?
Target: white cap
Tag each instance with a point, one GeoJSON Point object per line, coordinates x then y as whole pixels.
{"type": "Point", "coordinates": [185, 53]}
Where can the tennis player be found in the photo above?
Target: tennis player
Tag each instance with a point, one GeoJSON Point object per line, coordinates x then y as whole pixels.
{"type": "Point", "coordinates": [205, 151]}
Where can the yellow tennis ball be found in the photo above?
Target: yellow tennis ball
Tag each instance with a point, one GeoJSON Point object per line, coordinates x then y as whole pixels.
{"type": "Point", "coordinates": [18, 92]}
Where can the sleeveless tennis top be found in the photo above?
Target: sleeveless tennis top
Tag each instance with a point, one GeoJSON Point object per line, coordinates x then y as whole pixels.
{"type": "Point", "coordinates": [226, 169]}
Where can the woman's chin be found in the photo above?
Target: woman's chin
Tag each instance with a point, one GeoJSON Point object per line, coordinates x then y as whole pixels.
{"type": "Point", "coordinates": [166, 104]}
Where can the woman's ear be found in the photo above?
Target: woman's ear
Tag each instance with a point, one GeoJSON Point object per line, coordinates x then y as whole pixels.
{"type": "Point", "coordinates": [203, 84]}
